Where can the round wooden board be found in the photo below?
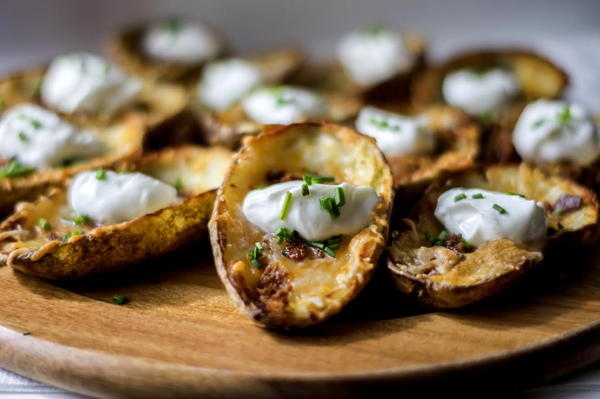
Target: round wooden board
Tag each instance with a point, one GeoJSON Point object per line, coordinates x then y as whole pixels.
{"type": "Point", "coordinates": [180, 336]}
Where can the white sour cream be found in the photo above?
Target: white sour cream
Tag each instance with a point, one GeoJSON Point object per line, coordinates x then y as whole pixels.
{"type": "Point", "coordinates": [396, 135]}
{"type": "Point", "coordinates": [224, 83]}
{"type": "Point", "coordinates": [554, 131]}
{"type": "Point", "coordinates": [37, 137]}
{"type": "Point", "coordinates": [496, 215]}
{"type": "Point", "coordinates": [374, 55]}
{"type": "Point", "coordinates": [118, 197]}
{"type": "Point", "coordinates": [283, 105]}
{"type": "Point", "coordinates": [478, 93]}
{"type": "Point", "coordinates": [262, 207]}
{"type": "Point", "coordinates": [86, 82]}
{"type": "Point", "coordinates": [181, 41]}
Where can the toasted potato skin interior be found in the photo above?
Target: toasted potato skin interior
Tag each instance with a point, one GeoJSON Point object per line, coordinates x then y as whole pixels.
{"type": "Point", "coordinates": [440, 277]}
{"type": "Point", "coordinates": [287, 293]}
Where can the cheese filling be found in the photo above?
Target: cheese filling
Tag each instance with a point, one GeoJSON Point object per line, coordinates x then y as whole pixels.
{"type": "Point", "coordinates": [480, 216]}
{"type": "Point", "coordinates": [479, 92]}
{"type": "Point", "coordinates": [283, 105]}
{"type": "Point", "coordinates": [396, 135]}
{"type": "Point", "coordinates": [272, 208]}
{"type": "Point", "coordinates": [224, 83]}
{"type": "Point", "coordinates": [181, 41]}
{"type": "Point", "coordinates": [372, 56]}
{"type": "Point", "coordinates": [39, 138]}
{"type": "Point", "coordinates": [108, 197]}
{"type": "Point", "coordinates": [88, 83]}
{"type": "Point", "coordinates": [554, 131]}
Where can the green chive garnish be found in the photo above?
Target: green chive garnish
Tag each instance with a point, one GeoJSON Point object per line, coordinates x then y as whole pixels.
{"type": "Point", "coordinates": [305, 190]}
{"type": "Point", "coordinates": [178, 184]}
{"type": "Point", "coordinates": [14, 169]}
{"type": "Point", "coordinates": [68, 236]}
{"type": "Point", "coordinates": [25, 333]}
{"type": "Point", "coordinates": [314, 179]}
{"type": "Point", "coordinates": [515, 194]}
{"type": "Point", "coordinates": [23, 137]}
{"type": "Point", "coordinates": [119, 299]}
{"type": "Point", "coordinates": [498, 208]}
{"type": "Point", "coordinates": [44, 224]}
{"type": "Point", "coordinates": [558, 212]}
{"type": "Point", "coordinates": [460, 197]}
{"type": "Point", "coordinates": [340, 197]}
{"type": "Point", "coordinates": [35, 124]}
{"type": "Point", "coordinates": [254, 255]}
{"type": "Point", "coordinates": [285, 206]}
{"type": "Point", "coordinates": [100, 174]}
{"type": "Point", "coordinates": [477, 196]}
{"type": "Point", "coordinates": [284, 234]}
{"type": "Point", "coordinates": [564, 116]}
{"type": "Point", "coordinates": [539, 123]}
{"type": "Point", "coordinates": [81, 220]}
{"type": "Point", "coordinates": [328, 204]}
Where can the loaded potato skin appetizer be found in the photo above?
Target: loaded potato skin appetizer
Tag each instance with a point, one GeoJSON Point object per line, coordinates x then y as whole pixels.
{"type": "Point", "coordinates": [300, 222]}
{"type": "Point", "coordinates": [476, 233]}
{"type": "Point", "coordinates": [422, 146]}
{"type": "Point", "coordinates": [171, 49]}
{"type": "Point", "coordinates": [90, 90]}
{"type": "Point", "coordinates": [39, 149]}
{"type": "Point", "coordinates": [108, 219]}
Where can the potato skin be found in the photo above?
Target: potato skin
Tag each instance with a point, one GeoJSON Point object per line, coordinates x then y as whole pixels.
{"type": "Point", "coordinates": [110, 248]}
{"type": "Point", "coordinates": [230, 234]}
{"type": "Point", "coordinates": [498, 264]}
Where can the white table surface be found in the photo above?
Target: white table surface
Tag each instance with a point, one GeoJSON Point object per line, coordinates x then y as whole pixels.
{"type": "Point", "coordinates": [566, 31]}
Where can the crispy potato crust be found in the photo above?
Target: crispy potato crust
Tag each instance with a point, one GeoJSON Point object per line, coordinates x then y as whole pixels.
{"type": "Point", "coordinates": [125, 49]}
{"type": "Point", "coordinates": [298, 293]}
{"type": "Point", "coordinates": [441, 277]}
{"type": "Point", "coordinates": [538, 77]}
{"type": "Point", "coordinates": [26, 246]}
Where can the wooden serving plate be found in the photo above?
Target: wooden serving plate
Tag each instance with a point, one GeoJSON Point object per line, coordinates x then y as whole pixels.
{"type": "Point", "coordinates": [180, 336]}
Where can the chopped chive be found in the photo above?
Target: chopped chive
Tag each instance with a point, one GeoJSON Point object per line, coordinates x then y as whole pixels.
{"type": "Point", "coordinates": [460, 197]}
{"type": "Point", "coordinates": [564, 116]}
{"type": "Point", "coordinates": [328, 204]}
{"type": "Point", "coordinates": [558, 212]}
{"type": "Point", "coordinates": [100, 174]}
{"type": "Point", "coordinates": [81, 220]}
{"type": "Point", "coordinates": [44, 224]}
{"type": "Point", "coordinates": [340, 197]}
{"type": "Point", "coordinates": [35, 123]}
{"type": "Point", "coordinates": [461, 256]}
{"type": "Point", "coordinates": [23, 137]}
{"type": "Point", "coordinates": [477, 196]}
{"type": "Point", "coordinates": [322, 246]}
{"type": "Point", "coordinates": [515, 194]}
{"type": "Point", "coordinates": [315, 179]}
{"type": "Point", "coordinates": [119, 299]}
{"type": "Point", "coordinates": [285, 206]}
{"type": "Point", "coordinates": [14, 169]}
{"type": "Point", "coordinates": [442, 236]}
{"type": "Point", "coordinates": [305, 190]}
{"type": "Point", "coordinates": [467, 243]}
{"type": "Point", "coordinates": [178, 184]}
{"type": "Point", "coordinates": [284, 234]}
{"type": "Point", "coordinates": [539, 123]}
{"type": "Point", "coordinates": [25, 332]}
{"type": "Point", "coordinates": [260, 186]}
{"type": "Point", "coordinates": [254, 255]}
{"type": "Point", "coordinates": [498, 208]}
{"type": "Point", "coordinates": [560, 226]}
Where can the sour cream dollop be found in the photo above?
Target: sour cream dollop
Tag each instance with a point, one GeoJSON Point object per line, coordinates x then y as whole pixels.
{"type": "Point", "coordinates": [181, 41]}
{"type": "Point", "coordinates": [479, 92]}
{"type": "Point", "coordinates": [283, 105]}
{"type": "Point", "coordinates": [37, 137]}
{"type": "Point", "coordinates": [224, 83]}
{"type": "Point", "coordinates": [86, 82]}
{"type": "Point", "coordinates": [396, 135]}
{"type": "Point", "coordinates": [262, 207]}
{"type": "Point", "coordinates": [116, 197]}
{"type": "Point", "coordinates": [553, 131]}
{"type": "Point", "coordinates": [481, 215]}
{"type": "Point", "coordinates": [372, 56]}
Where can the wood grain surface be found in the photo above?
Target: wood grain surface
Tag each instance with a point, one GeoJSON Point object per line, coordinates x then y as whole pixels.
{"type": "Point", "coordinates": [179, 335]}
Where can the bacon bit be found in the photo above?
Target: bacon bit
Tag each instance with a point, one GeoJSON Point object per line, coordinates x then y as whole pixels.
{"type": "Point", "coordinates": [456, 243]}
{"type": "Point", "coordinates": [296, 250]}
{"type": "Point", "coordinates": [568, 202]}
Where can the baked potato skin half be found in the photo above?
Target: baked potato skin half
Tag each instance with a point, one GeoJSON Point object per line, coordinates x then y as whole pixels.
{"type": "Point", "coordinates": [161, 107]}
{"type": "Point", "coordinates": [537, 76]}
{"type": "Point", "coordinates": [124, 49]}
{"type": "Point", "coordinates": [45, 253]}
{"type": "Point", "coordinates": [287, 293]}
{"type": "Point", "coordinates": [490, 269]}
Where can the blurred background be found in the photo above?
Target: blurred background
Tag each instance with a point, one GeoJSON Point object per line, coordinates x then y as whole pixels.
{"type": "Point", "coordinates": [567, 31]}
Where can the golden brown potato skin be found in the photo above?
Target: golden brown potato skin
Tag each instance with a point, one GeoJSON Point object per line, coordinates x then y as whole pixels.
{"type": "Point", "coordinates": [110, 248]}
{"type": "Point", "coordinates": [45, 253]}
{"type": "Point", "coordinates": [440, 277]}
{"type": "Point", "coordinates": [268, 294]}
